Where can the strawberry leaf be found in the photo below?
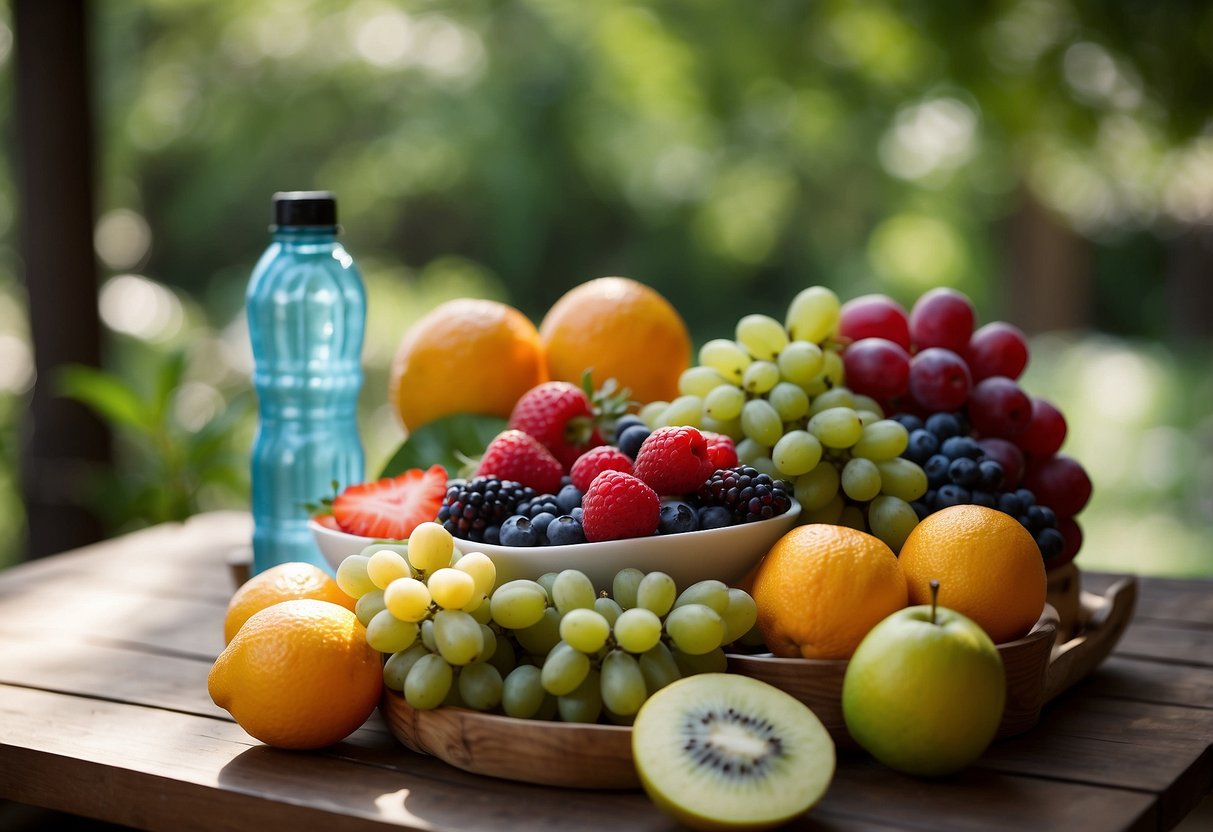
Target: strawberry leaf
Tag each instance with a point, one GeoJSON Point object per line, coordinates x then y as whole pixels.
{"type": "Point", "coordinates": [448, 442]}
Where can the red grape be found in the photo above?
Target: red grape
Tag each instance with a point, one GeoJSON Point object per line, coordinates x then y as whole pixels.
{"type": "Point", "coordinates": [939, 379]}
{"type": "Point", "coordinates": [1060, 483]}
{"type": "Point", "coordinates": [942, 318]}
{"type": "Point", "coordinates": [1072, 532]}
{"type": "Point", "coordinates": [1006, 454]}
{"type": "Point", "coordinates": [874, 316]}
{"type": "Point", "coordinates": [1046, 429]}
{"type": "Point", "coordinates": [998, 407]}
{"type": "Point", "coordinates": [997, 349]}
{"type": "Point", "coordinates": [876, 367]}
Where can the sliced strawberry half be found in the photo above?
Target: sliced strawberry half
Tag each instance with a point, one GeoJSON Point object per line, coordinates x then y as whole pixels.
{"type": "Point", "coordinates": [390, 508]}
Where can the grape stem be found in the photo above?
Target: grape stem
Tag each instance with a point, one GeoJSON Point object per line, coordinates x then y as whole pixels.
{"type": "Point", "coordinates": [934, 597]}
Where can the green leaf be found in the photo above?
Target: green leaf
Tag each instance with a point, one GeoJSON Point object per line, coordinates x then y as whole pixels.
{"type": "Point", "coordinates": [105, 394]}
{"type": "Point", "coordinates": [443, 441]}
{"type": "Point", "coordinates": [168, 378]}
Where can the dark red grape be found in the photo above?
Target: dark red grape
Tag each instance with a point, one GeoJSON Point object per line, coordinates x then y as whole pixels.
{"type": "Point", "coordinates": [1060, 483]}
{"type": "Point", "coordinates": [942, 318]}
{"type": "Point", "coordinates": [998, 407]}
{"type": "Point", "coordinates": [874, 316]}
{"type": "Point", "coordinates": [997, 349]}
{"type": "Point", "coordinates": [939, 379]}
{"type": "Point", "coordinates": [877, 367]}
{"type": "Point", "coordinates": [1006, 454]}
{"type": "Point", "coordinates": [1046, 429]}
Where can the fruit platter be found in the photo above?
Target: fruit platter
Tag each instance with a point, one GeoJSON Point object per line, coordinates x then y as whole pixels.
{"type": "Point", "coordinates": [643, 565]}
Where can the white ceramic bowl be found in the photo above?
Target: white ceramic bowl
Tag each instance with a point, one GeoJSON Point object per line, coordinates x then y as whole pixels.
{"type": "Point", "coordinates": [725, 554]}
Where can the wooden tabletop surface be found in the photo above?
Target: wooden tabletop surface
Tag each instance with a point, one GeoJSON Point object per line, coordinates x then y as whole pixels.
{"type": "Point", "coordinates": [104, 654]}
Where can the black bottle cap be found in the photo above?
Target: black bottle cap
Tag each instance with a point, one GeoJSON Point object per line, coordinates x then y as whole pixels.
{"type": "Point", "coordinates": [305, 209]}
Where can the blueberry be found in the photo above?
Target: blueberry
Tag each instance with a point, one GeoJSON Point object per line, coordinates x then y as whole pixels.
{"type": "Point", "coordinates": [920, 508]}
{"type": "Point", "coordinates": [576, 513]}
{"type": "Point", "coordinates": [632, 438]}
{"type": "Point", "coordinates": [936, 469]}
{"type": "Point", "coordinates": [931, 500]}
{"type": "Point", "coordinates": [1036, 519]}
{"type": "Point", "coordinates": [1010, 504]}
{"type": "Point", "coordinates": [492, 534]}
{"type": "Point", "coordinates": [569, 498]}
{"type": "Point", "coordinates": [991, 474]}
{"type": "Point", "coordinates": [565, 530]}
{"type": "Point", "coordinates": [1051, 543]}
{"type": "Point", "coordinates": [984, 498]}
{"type": "Point", "coordinates": [541, 521]}
{"type": "Point", "coordinates": [518, 531]}
{"type": "Point", "coordinates": [943, 425]}
{"type": "Point", "coordinates": [957, 447]}
{"type": "Point", "coordinates": [676, 517]}
{"type": "Point", "coordinates": [951, 495]}
{"type": "Point", "coordinates": [964, 471]}
{"type": "Point", "coordinates": [922, 446]}
{"type": "Point", "coordinates": [908, 421]}
{"type": "Point", "coordinates": [626, 422]}
{"type": "Point", "coordinates": [1026, 497]}
{"type": "Point", "coordinates": [714, 517]}
{"type": "Point", "coordinates": [1050, 516]}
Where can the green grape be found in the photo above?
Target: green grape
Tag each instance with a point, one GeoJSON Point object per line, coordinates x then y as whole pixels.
{"type": "Point", "coordinates": [882, 441]}
{"type": "Point", "coordinates": [903, 479]}
{"type": "Point", "coordinates": [695, 628]}
{"type": "Point", "coordinates": [862, 402]}
{"type": "Point", "coordinates": [480, 686]}
{"type": "Point", "coordinates": [427, 635]}
{"type": "Point", "coordinates": [684, 410]}
{"type": "Point", "coordinates": [828, 513]}
{"type": "Point", "coordinates": [608, 608]}
{"type": "Point", "coordinates": [572, 590]}
{"type": "Point", "coordinates": [656, 593]}
{"type": "Point", "coordinates": [408, 599]}
{"type": "Point", "coordinates": [623, 586]}
{"type": "Point", "coordinates": [813, 314]}
{"type": "Point", "coordinates": [817, 488]}
{"type": "Point", "coordinates": [731, 428]}
{"type": "Point", "coordinates": [658, 667]}
{"type": "Point", "coordinates": [637, 630]}
{"type": "Point", "coordinates": [389, 634]}
{"type": "Point", "coordinates": [482, 569]}
{"type": "Point", "coordinates": [860, 479]}
{"type": "Point", "coordinates": [748, 450]}
{"type": "Point", "coordinates": [482, 611]}
{"type": "Point", "coordinates": [699, 381]}
{"type": "Point", "coordinates": [451, 588]}
{"type": "Point", "coordinates": [868, 417]}
{"type": "Point", "coordinates": [711, 593]}
{"type": "Point", "coordinates": [622, 684]}
{"type": "Point", "coordinates": [892, 519]}
{"type": "Point", "coordinates": [832, 375]}
{"type": "Point", "coordinates": [838, 427]}
{"type": "Point", "coordinates": [725, 357]}
{"type": "Point", "coordinates": [428, 682]}
{"type": "Point", "coordinates": [546, 580]}
{"type": "Point", "coordinates": [369, 604]}
{"type": "Point", "coordinates": [522, 693]}
{"type": "Point", "coordinates": [489, 649]}
{"type": "Point", "coordinates": [453, 699]}
{"type": "Point", "coordinates": [352, 577]}
{"type": "Point", "coordinates": [458, 636]}
{"type": "Point", "coordinates": [652, 412]}
{"type": "Point", "coordinates": [800, 361]}
{"type": "Point", "coordinates": [396, 668]}
{"type": "Point", "coordinates": [760, 422]}
{"type": "Point", "coordinates": [797, 452]}
{"type": "Point", "coordinates": [584, 630]}
{"type": "Point", "coordinates": [564, 668]}
{"type": "Point", "coordinates": [760, 377]}
{"type": "Point", "coordinates": [541, 637]}
{"type": "Point", "coordinates": [852, 516]}
{"type": "Point", "coordinates": [837, 397]}
{"type": "Point", "coordinates": [724, 403]}
{"type": "Point", "coordinates": [518, 604]}
{"type": "Point", "coordinates": [583, 704]}
{"type": "Point", "coordinates": [385, 566]}
{"type": "Point", "coordinates": [504, 658]}
{"type": "Point", "coordinates": [713, 661]}
{"type": "Point", "coordinates": [739, 616]}
{"type": "Point", "coordinates": [765, 465]}
{"type": "Point", "coordinates": [789, 401]}
{"type": "Point", "coordinates": [762, 336]}
{"type": "Point", "coordinates": [431, 547]}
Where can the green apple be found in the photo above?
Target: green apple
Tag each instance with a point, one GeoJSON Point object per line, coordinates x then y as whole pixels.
{"type": "Point", "coordinates": [924, 691]}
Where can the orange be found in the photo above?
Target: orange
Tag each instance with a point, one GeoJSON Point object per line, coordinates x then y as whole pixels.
{"type": "Point", "coordinates": [299, 675]}
{"type": "Point", "coordinates": [465, 356]}
{"type": "Point", "coordinates": [283, 582]}
{"type": "Point", "coordinates": [620, 329]}
{"type": "Point", "coordinates": [822, 587]}
{"type": "Point", "coordinates": [988, 566]}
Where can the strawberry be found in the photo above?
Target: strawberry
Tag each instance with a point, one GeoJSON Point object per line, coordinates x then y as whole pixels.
{"type": "Point", "coordinates": [618, 506]}
{"type": "Point", "coordinates": [560, 415]}
{"type": "Point", "coordinates": [515, 455]}
{"type": "Point", "coordinates": [674, 460]}
{"type": "Point", "coordinates": [721, 450]}
{"type": "Point", "coordinates": [596, 460]}
{"type": "Point", "coordinates": [390, 508]}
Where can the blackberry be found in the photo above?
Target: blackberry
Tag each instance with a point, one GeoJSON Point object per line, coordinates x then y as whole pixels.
{"type": "Point", "coordinates": [471, 507]}
{"type": "Point", "coordinates": [749, 494]}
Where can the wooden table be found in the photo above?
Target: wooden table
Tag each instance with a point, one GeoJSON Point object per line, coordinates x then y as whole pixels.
{"type": "Point", "coordinates": [104, 654]}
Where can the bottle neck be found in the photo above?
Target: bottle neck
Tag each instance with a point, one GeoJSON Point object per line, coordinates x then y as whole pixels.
{"type": "Point", "coordinates": [295, 234]}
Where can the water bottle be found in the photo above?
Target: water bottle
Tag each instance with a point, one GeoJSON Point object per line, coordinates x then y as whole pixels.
{"type": "Point", "coordinates": [306, 310]}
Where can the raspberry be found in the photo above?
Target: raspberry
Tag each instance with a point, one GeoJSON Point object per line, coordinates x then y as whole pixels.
{"type": "Point", "coordinates": [618, 506]}
{"type": "Point", "coordinates": [596, 460]}
{"type": "Point", "coordinates": [747, 493]}
{"type": "Point", "coordinates": [674, 460]}
{"type": "Point", "coordinates": [474, 510]}
{"type": "Point", "coordinates": [514, 455]}
{"type": "Point", "coordinates": [721, 449]}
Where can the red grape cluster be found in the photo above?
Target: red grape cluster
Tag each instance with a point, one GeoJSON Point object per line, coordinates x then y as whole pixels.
{"type": "Point", "coordinates": [933, 360]}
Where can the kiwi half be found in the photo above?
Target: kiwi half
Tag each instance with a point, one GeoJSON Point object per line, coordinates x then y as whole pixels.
{"type": "Point", "coordinates": [723, 751]}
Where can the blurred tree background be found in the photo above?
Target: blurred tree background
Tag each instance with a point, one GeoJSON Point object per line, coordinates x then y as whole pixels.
{"type": "Point", "coordinates": [1054, 160]}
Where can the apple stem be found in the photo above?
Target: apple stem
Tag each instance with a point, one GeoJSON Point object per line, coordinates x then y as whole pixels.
{"type": "Point", "coordinates": [934, 597]}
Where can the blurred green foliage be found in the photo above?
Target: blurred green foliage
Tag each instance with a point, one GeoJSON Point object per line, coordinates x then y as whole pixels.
{"type": "Point", "coordinates": [726, 153]}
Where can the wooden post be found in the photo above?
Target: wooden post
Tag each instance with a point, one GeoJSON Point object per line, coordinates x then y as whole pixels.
{"type": "Point", "coordinates": [63, 440]}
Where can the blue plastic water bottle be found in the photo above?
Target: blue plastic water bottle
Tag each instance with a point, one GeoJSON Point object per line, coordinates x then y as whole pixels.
{"type": "Point", "coordinates": [306, 313]}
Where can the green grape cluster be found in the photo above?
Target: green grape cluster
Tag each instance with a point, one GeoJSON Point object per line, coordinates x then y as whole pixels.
{"type": "Point", "coordinates": [777, 389]}
{"type": "Point", "coordinates": [552, 648]}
